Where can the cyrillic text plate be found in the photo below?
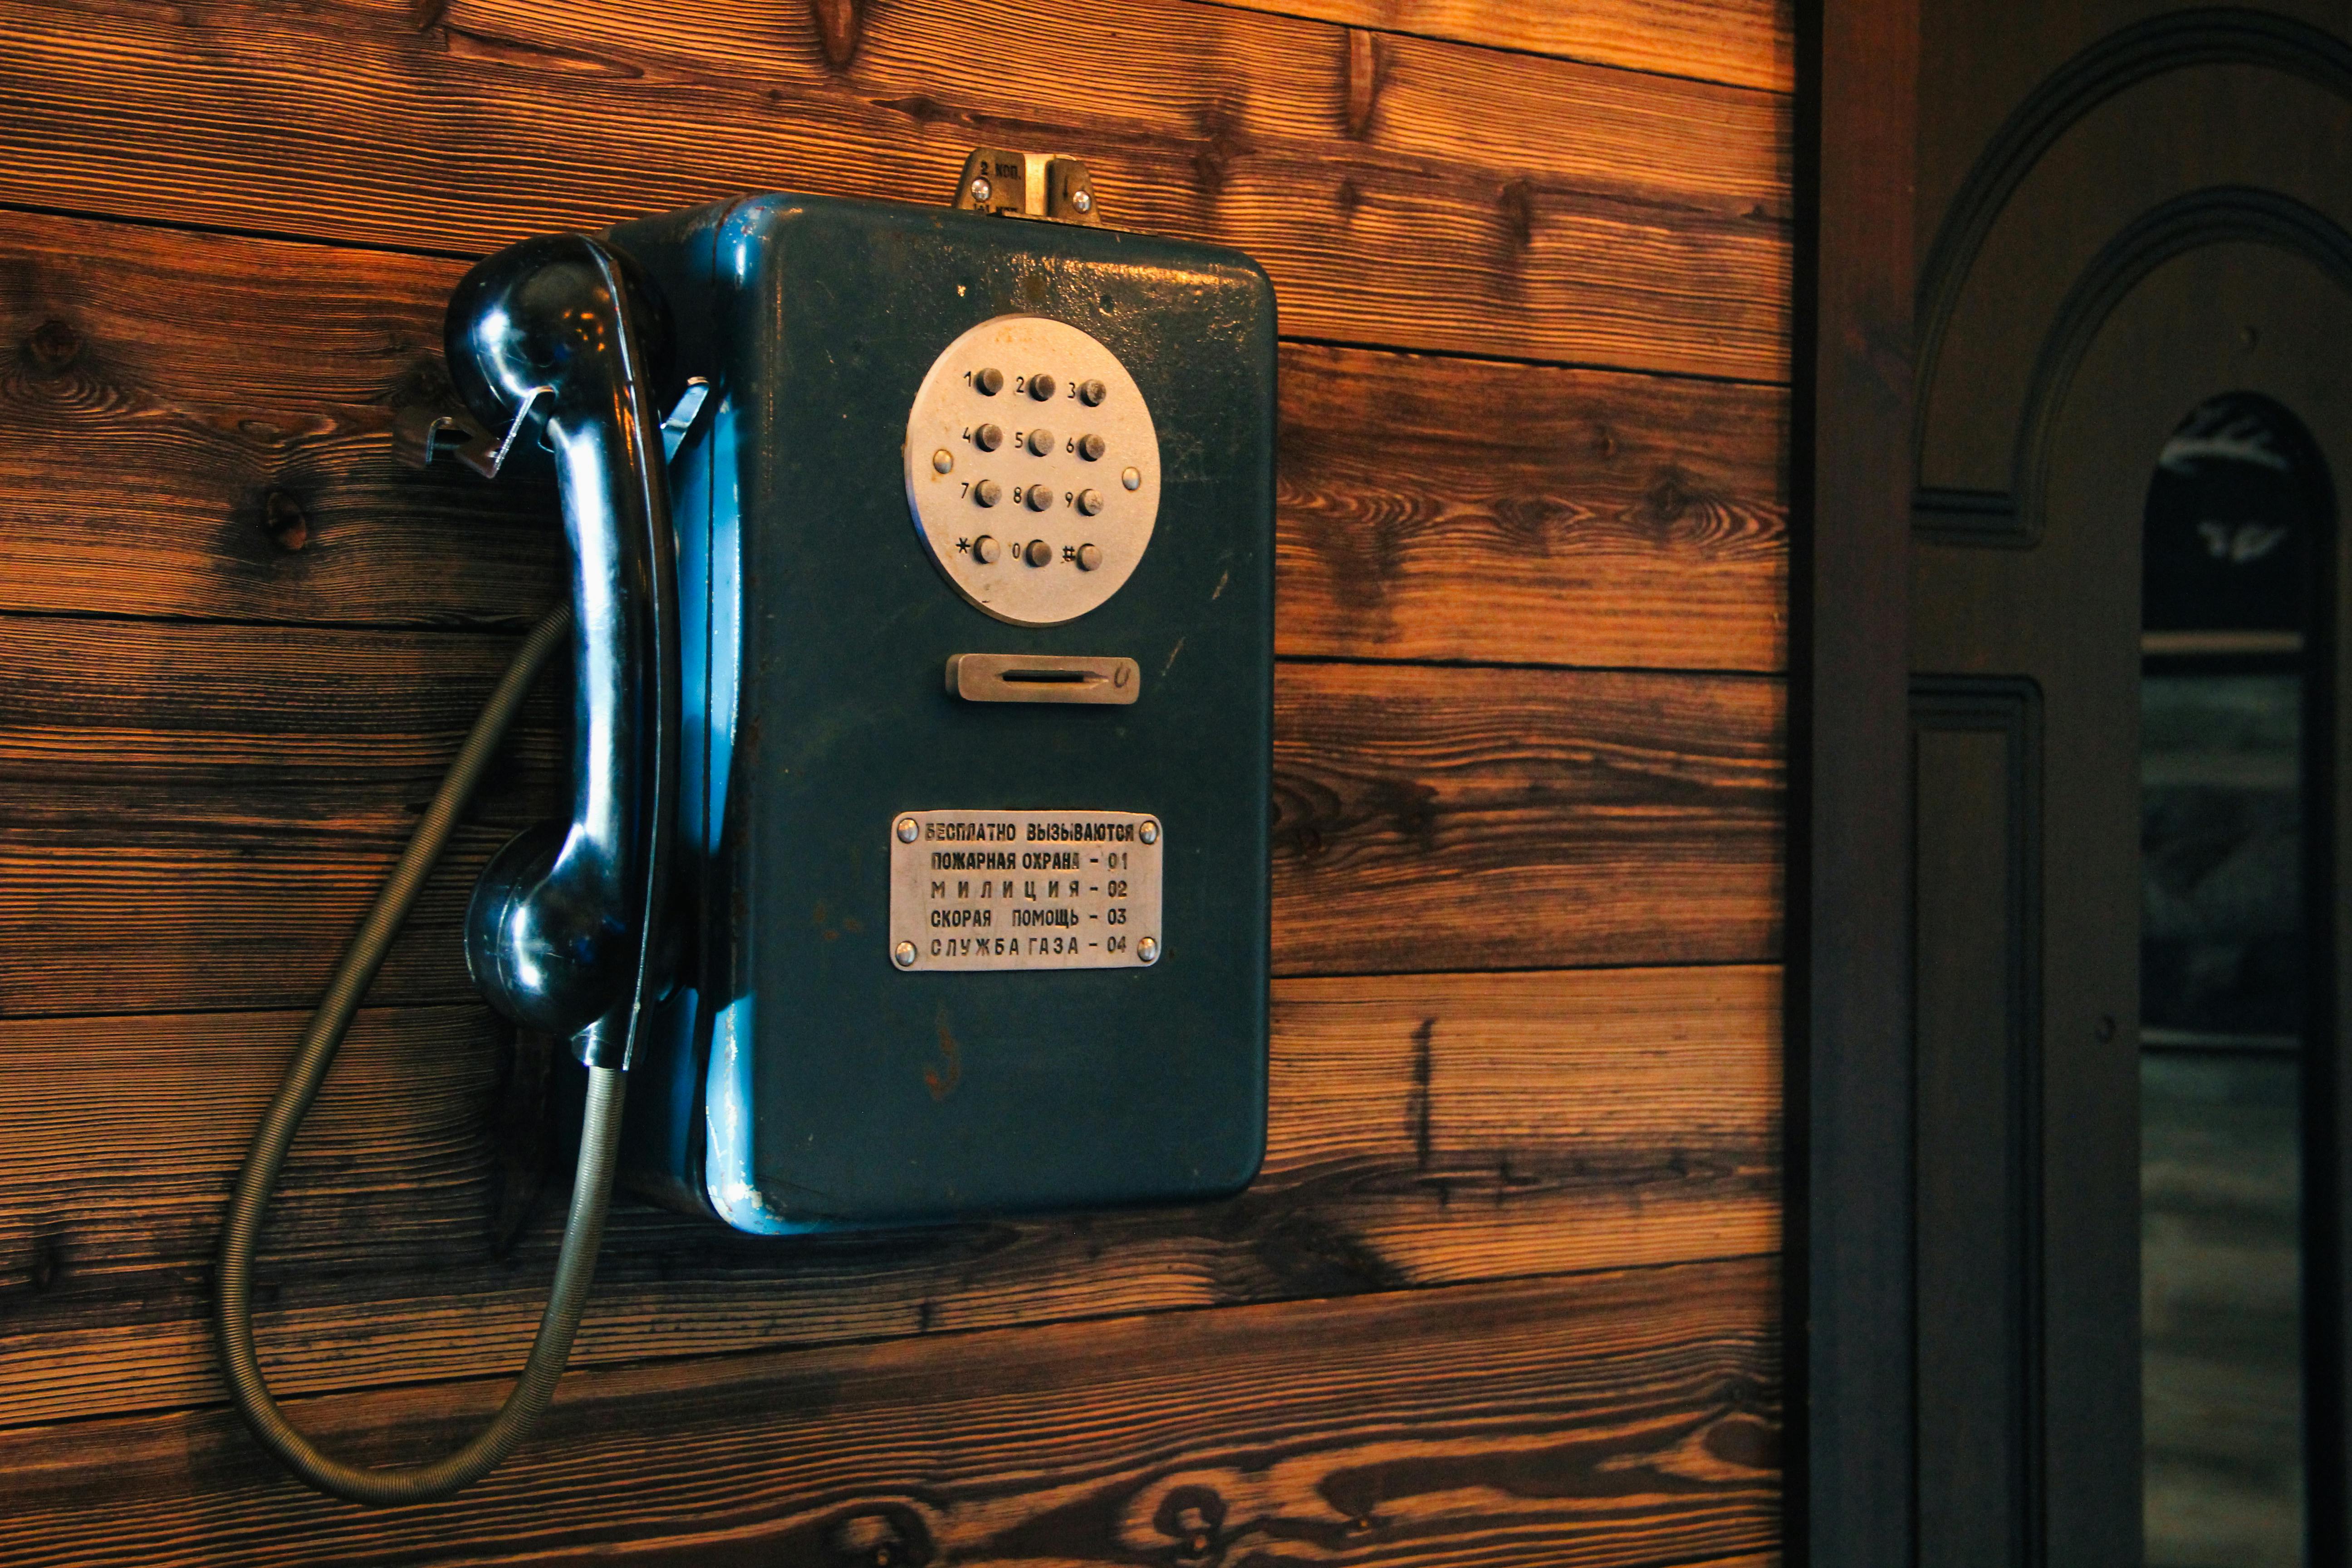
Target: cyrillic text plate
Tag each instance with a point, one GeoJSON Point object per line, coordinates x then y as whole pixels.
{"type": "Point", "coordinates": [1024, 890]}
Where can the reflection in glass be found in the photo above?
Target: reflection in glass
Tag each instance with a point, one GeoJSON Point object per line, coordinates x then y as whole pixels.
{"type": "Point", "coordinates": [2229, 557]}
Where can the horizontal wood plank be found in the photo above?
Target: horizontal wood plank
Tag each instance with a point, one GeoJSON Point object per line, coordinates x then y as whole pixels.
{"type": "Point", "coordinates": [150, 464]}
{"type": "Point", "coordinates": [196, 816]}
{"type": "Point", "coordinates": [1423, 1130]}
{"type": "Point", "coordinates": [1581, 213]}
{"type": "Point", "coordinates": [1749, 43]}
{"type": "Point", "coordinates": [1609, 1420]}
{"type": "Point", "coordinates": [1492, 818]}
{"type": "Point", "coordinates": [1434, 509]}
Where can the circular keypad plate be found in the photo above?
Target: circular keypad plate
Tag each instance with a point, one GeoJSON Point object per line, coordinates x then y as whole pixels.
{"type": "Point", "coordinates": [1033, 470]}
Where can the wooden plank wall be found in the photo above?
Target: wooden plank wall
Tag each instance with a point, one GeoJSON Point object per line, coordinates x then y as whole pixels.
{"type": "Point", "coordinates": [1506, 1290]}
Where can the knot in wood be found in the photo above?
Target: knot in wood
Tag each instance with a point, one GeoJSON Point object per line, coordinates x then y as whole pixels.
{"type": "Point", "coordinates": [54, 345]}
{"type": "Point", "coordinates": [285, 520]}
{"type": "Point", "coordinates": [1518, 205]}
{"type": "Point", "coordinates": [1669, 500]}
{"type": "Point", "coordinates": [1363, 81]}
{"type": "Point", "coordinates": [48, 1262]}
{"type": "Point", "coordinates": [1194, 1516]}
{"type": "Point", "coordinates": [887, 1537]}
{"type": "Point", "coordinates": [839, 26]}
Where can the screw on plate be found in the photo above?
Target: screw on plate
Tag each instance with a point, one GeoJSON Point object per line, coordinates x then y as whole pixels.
{"type": "Point", "coordinates": [905, 955]}
{"type": "Point", "coordinates": [981, 190]}
{"type": "Point", "coordinates": [906, 830]}
{"type": "Point", "coordinates": [1148, 949]}
{"type": "Point", "coordinates": [1148, 833]}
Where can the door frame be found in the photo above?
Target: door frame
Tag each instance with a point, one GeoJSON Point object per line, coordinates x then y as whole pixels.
{"type": "Point", "coordinates": [1849, 1202]}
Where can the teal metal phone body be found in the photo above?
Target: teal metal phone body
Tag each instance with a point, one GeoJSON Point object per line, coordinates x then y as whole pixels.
{"type": "Point", "coordinates": [800, 1076]}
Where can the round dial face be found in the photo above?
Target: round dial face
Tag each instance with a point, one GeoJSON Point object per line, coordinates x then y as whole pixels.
{"type": "Point", "coordinates": [1033, 470]}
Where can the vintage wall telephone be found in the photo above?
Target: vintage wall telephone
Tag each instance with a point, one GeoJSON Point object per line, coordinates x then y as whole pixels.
{"type": "Point", "coordinates": [922, 624]}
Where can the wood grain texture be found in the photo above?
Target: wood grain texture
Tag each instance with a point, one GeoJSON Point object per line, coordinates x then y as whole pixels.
{"type": "Point", "coordinates": [1524, 514]}
{"type": "Point", "coordinates": [196, 816]}
{"type": "Point", "coordinates": [1579, 214]}
{"type": "Point", "coordinates": [150, 464]}
{"type": "Point", "coordinates": [1495, 818]}
{"type": "Point", "coordinates": [1746, 43]}
{"type": "Point", "coordinates": [1536, 308]}
{"type": "Point", "coordinates": [1616, 1419]}
{"type": "Point", "coordinates": [1423, 1130]}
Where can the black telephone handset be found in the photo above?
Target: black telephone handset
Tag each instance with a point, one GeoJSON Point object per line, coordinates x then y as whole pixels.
{"type": "Point", "coordinates": [545, 338]}
{"type": "Point", "coordinates": [551, 336]}
{"type": "Point", "coordinates": [916, 866]}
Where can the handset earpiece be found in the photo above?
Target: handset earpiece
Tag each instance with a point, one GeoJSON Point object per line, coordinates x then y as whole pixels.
{"type": "Point", "coordinates": [553, 337]}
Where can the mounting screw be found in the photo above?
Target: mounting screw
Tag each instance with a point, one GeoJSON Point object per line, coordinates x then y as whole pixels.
{"type": "Point", "coordinates": [1083, 200]}
{"type": "Point", "coordinates": [943, 461]}
{"type": "Point", "coordinates": [905, 953]}
{"type": "Point", "coordinates": [980, 191]}
{"type": "Point", "coordinates": [1132, 478]}
{"type": "Point", "coordinates": [1149, 831]}
{"type": "Point", "coordinates": [1148, 949]}
{"type": "Point", "coordinates": [907, 831]}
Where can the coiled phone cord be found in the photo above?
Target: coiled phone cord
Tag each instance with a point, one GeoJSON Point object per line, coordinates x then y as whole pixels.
{"type": "Point", "coordinates": [590, 1191]}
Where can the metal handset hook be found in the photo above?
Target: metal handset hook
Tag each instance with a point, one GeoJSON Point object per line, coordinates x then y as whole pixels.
{"type": "Point", "coordinates": [555, 334]}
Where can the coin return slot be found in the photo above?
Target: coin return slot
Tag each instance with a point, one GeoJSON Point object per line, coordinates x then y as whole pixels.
{"type": "Point", "coordinates": [1042, 678]}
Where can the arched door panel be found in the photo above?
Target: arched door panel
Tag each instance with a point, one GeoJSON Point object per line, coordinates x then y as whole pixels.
{"type": "Point", "coordinates": [2186, 232]}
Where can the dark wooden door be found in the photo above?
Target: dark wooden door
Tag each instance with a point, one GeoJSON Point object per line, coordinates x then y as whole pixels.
{"type": "Point", "coordinates": [2124, 211]}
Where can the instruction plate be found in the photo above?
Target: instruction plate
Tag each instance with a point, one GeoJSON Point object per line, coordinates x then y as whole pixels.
{"type": "Point", "coordinates": [1024, 890]}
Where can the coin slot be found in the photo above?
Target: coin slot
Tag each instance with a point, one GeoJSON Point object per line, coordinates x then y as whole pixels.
{"type": "Point", "coordinates": [1042, 678]}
